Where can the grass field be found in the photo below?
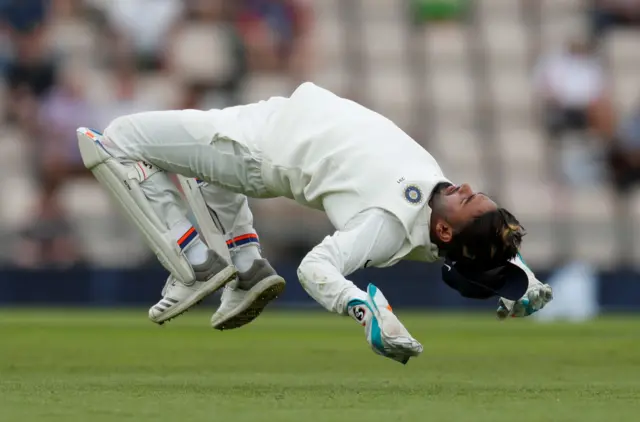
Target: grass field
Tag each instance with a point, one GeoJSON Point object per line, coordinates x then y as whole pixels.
{"type": "Point", "coordinates": [116, 366]}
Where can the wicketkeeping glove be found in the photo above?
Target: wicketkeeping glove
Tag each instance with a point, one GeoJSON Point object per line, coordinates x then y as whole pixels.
{"type": "Point", "coordinates": [536, 298]}
{"type": "Point", "coordinates": [385, 333]}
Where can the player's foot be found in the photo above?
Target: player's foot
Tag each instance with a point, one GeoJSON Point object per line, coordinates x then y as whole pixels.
{"type": "Point", "coordinates": [243, 303]}
{"type": "Point", "coordinates": [178, 297]}
{"type": "Point", "coordinates": [385, 333]}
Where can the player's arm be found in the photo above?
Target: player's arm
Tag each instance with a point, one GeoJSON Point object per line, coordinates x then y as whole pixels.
{"type": "Point", "coordinates": [368, 240]}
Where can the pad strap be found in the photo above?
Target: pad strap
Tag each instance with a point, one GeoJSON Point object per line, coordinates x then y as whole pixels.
{"type": "Point", "coordinates": [245, 239]}
{"type": "Point", "coordinates": [188, 237]}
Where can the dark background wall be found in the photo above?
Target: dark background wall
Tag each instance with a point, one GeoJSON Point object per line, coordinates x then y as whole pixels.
{"type": "Point", "coordinates": [405, 285]}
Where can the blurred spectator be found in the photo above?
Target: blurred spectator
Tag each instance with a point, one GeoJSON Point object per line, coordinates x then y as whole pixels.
{"type": "Point", "coordinates": [23, 16]}
{"type": "Point", "coordinates": [32, 69]}
{"type": "Point", "coordinates": [142, 26]}
{"type": "Point", "coordinates": [607, 14]}
{"type": "Point", "coordinates": [206, 50]}
{"type": "Point", "coordinates": [73, 32]}
{"type": "Point", "coordinates": [124, 96]}
{"type": "Point", "coordinates": [571, 87]}
{"type": "Point", "coordinates": [277, 34]}
{"type": "Point", "coordinates": [62, 110]}
{"type": "Point", "coordinates": [192, 96]}
{"type": "Point", "coordinates": [625, 163]}
{"type": "Point", "coordinates": [29, 71]}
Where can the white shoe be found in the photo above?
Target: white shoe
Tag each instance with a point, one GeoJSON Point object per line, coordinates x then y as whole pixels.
{"type": "Point", "coordinates": [178, 297]}
{"type": "Point", "coordinates": [244, 302]}
{"type": "Point", "coordinates": [385, 333]}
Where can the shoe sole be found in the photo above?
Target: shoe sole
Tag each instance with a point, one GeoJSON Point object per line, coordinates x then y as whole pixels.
{"type": "Point", "coordinates": [252, 306]}
{"type": "Point", "coordinates": [209, 287]}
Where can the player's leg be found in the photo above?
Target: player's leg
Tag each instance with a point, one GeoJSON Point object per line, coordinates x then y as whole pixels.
{"type": "Point", "coordinates": [152, 202]}
{"type": "Point", "coordinates": [258, 283]}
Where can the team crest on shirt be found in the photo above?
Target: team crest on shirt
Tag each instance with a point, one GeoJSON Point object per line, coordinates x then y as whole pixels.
{"type": "Point", "coordinates": [413, 194]}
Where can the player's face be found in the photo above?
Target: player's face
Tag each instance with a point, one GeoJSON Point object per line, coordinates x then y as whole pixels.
{"type": "Point", "coordinates": [459, 205]}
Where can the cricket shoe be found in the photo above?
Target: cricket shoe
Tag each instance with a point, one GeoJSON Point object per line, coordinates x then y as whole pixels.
{"type": "Point", "coordinates": [245, 300]}
{"type": "Point", "coordinates": [179, 297]}
{"type": "Point", "coordinates": [385, 333]}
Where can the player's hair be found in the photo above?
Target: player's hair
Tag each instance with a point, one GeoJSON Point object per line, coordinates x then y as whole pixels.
{"type": "Point", "coordinates": [488, 241]}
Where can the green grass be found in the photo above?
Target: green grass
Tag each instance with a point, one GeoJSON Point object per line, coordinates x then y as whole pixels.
{"type": "Point", "coordinates": [116, 366]}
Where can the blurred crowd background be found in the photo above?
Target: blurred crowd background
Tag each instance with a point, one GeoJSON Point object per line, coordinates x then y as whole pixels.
{"type": "Point", "coordinates": [536, 102]}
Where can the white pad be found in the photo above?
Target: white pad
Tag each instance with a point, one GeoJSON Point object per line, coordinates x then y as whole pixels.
{"type": "Point", "coordinates": [211, 231]}
{"type": "Point", "coordinates": [123, 183]}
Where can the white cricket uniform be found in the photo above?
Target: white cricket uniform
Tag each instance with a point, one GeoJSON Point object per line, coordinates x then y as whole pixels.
{"type": "Point", "coordinates": [323, 151]}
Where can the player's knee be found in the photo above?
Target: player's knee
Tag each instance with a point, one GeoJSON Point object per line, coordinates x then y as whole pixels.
{"type": "Point", "coordinates": [116, 128]}
{"type": "Point", "coordinates": [124, 139]}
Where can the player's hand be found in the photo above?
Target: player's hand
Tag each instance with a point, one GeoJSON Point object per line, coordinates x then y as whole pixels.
{"type": "Point", "coordinates": [536, 298]}
{"type": "Point", "coordinates": [386, 335]}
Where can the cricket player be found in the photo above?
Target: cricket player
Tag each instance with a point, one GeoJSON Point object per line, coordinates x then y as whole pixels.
{"type": "Point", "coordinates": [386, 196]}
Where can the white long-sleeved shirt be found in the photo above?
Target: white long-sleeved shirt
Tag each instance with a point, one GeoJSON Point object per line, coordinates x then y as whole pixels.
{"type": "Point", "coordinates": [334, 155]}
{"type": "Point", "coordinates": [371, 179]}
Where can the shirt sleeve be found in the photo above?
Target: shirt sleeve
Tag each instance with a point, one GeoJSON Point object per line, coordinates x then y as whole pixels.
{"type": "Point", "coordinates": [369, 239]}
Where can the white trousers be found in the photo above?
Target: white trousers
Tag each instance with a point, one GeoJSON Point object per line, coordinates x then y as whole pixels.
{"type": "Point", "coordinates": [164, 140]}
{"type": "Point", "coordinates": [182, 142]}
